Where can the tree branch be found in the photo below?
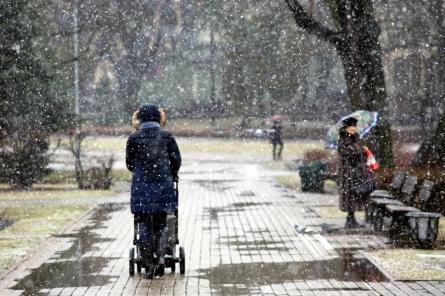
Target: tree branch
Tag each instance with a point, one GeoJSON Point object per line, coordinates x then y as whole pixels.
{"type": "Point", "coordinates": [342, 15]}
{"type": "Point", "coordinates": [310, 25]}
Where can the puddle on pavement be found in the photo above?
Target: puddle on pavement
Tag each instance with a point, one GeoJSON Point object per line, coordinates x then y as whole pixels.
{"type": "Point", "coordinates": [214, 212]}
{"type": "Point", "coordinates": [249, 204]}
{"type": "Point", "coordinates": [289, 195]}
{"type": "Point", "coordinates": [215, 185]}
{"type": "Point", "coordinates": [247, 193]}
{"type": "Point", "coordinates": [233, 208]}
{"type": "Point", "coordinates": [238, 279]}
{"type": "Point", "coordinates": [70, 268]}
{"type": "Point", "coordinates": [71, 273]}
{"type": "Point", "coordinates": [85, 239]}
{"type": "Point", "coordinates": [258, 245]}
{"type": "Point", "coordinates": [335, 229]}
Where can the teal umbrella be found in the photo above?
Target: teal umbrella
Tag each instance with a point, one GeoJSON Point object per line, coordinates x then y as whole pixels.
{"type": "Point", "coordinates": [366, 120]}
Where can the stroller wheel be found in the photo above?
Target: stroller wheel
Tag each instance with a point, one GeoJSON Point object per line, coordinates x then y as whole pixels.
{"type": "Point", "coordinates": [131, 262]}
{"type": "Point", "coordinates": [181, 260]}
{"type": "Point", "coordinates": [173, 266]}
{"type": "Point", "coordinates": [150, 272]}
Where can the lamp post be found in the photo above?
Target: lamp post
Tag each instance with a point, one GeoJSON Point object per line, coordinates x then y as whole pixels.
{"type": "Point", "coordinates": [76, 145]}
{"type": "Point", "coordinates": [76, 60]}
{"type": "Point", "coordinates": [212, 75]}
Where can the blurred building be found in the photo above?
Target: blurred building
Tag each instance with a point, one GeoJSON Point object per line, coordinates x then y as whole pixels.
{"type": "Point", "coordinates": [410, 38]}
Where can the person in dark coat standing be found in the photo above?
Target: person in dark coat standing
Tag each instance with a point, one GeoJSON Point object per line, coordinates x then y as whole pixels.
{"type": "Point", "coordinates": [351, 163]}
{"type": "Point", "coordinates": [153, 157]}
{"type": "Point", "coordinates": [276, 140]}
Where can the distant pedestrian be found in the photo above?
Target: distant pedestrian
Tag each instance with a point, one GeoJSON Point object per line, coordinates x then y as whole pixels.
{"type": "Point", "coordinates": [352, 167]}
{"type": "Point", "coordinates": [276, 140]}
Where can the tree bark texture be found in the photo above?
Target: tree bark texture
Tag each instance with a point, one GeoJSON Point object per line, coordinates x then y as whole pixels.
{"type": "Point", "coordinates": [356, 42]}
{"type": "Point", "coordinates": [432, 151]}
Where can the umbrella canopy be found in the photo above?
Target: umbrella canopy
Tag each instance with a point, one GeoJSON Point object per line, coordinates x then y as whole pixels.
{"type": "Point", "coordinates": [276, 117]}
{"type": "Point", "coordinates": [366, 120]}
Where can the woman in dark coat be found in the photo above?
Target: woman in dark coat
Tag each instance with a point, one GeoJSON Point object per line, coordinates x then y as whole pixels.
{"type": "Point", "coordinates": [352, 161]}
{"type": "Point", "coordinates": [153, 157]}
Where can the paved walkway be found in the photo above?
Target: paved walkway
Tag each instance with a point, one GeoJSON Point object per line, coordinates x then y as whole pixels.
{"type": "Point", "coordinates": [238, 229]}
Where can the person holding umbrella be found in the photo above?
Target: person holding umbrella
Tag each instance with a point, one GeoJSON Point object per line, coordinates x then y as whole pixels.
{"type": "Point", "coordinates": [276, 139]}
{"type": "Point", "coordinates": [356, 162]}
{"type": "Point", "coordinates": [352, 161]}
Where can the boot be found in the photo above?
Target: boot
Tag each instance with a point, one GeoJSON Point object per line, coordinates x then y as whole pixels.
{"type": "Point", "coordinates": [160, 270]}
{"type": "Point", "coordinates": [351, 223]}
{"type": "Point", "coordinates": [146, 256]}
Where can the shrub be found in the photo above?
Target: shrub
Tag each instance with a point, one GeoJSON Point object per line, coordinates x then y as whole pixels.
{"type": "Point", "coordinates": [24, 161]}
{"type": "Point", "coordinates": [99, 175]}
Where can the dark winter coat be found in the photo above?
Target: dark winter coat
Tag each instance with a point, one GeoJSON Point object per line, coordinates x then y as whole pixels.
{"type": "Point", "coordinates": [275, 137]}
{"type": "Point", "coordinates": [154, 158]}
{"type": "Point", "coordinates": [352, 163]}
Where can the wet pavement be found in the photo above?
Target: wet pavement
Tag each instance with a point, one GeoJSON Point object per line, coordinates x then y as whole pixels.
{"type": "Point", "coordinates": [243, 235]}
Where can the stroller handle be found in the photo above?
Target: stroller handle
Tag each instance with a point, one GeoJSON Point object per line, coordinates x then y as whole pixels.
{"type": "Point", "coordinates": [176, 188]}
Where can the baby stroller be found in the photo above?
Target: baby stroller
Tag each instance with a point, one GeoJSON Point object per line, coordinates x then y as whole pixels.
{"type": "Point", "coordinates": [173, 253]}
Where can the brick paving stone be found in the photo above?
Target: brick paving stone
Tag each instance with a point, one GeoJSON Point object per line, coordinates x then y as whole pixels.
{"type": "Point", "coordinates": [67, 291]}
{"type": "Point", "coordinates": [430, 288]}
{"type": "Point", "coordinates": [237, 227]}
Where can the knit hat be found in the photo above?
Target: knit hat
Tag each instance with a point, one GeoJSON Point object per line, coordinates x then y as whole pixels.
{"type": "Point", "coordinates": [350, 121]}
{"type": "Point", "coordinates": [149, 113]}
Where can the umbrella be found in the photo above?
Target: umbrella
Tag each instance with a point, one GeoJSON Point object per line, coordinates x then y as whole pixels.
{"type": "Point", "coordinates": [277, 117]}
{"type": "Point", "coordinates": [366, 120]}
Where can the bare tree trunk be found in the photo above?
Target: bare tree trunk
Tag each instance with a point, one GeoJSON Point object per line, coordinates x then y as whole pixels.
{"type": "Point", "coordinates": [357, 44]}
{"type": "Point", "coordinates": [432, 151]}
{"type": "Point", "coordinates": [438, 12]}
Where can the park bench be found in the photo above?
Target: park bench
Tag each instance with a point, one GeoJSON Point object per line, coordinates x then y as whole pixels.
{"type": "Point", "coordinates": [400, 186]}
{"type": "Point", "coordinates": [394, 187]}
{"type": "Point", "coordinates": [422, 228]}
{"type": "Point", "coordinates": [423, 198]}
{"type": "Point", "coordinates": [412, 224]}
{"type": "Point", "coordinates": [403, 199]}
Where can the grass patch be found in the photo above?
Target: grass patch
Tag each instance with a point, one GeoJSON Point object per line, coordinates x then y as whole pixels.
{"type": "Point", "coordinates": [121, 175]}
{"type": "Point", "coordinates": [331, 212]}
{"type": "Point", "coordinates": [244, 146]}
{"type": "Point", "coordinates": [335, 212]}
{"type": "Point", "coordinates": [59, 177]}
{"type": "Point", "coordinates": [276, 165]}
{"type": "Point", "coordinates": [423, 264]}
{"type": "Point", "coordinates": [13, 249]}
{"type": "Point", "coordinates": [52, 194]}
{"type": "Point", "coordinates": [291, 182]}
{"type": "Point", "coordinates": [104, 143]}
{"type": "Point", "coordinates": [67, 179]}
{"type": "Point", "coordinates": [60, 184]}
{"type": "Point", "coordinates": [31, 224]}
{"type": "Point", "coordinates": [206, 123]}
{"type": "Point", "coordinates": [39, 219]}
{"type": "Point", "coordinates": [209, 145]}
